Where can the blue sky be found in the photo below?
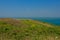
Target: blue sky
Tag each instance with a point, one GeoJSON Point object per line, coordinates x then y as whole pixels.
{"type": "Point", "coordinates": [29, 8]}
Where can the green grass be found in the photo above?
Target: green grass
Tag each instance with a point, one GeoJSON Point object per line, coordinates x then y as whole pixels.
{"type": "Point", "coordinates": [28, 30]}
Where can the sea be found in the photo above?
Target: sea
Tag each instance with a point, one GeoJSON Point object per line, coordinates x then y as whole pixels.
{"type": "Point", "coordinates": [54, 21]}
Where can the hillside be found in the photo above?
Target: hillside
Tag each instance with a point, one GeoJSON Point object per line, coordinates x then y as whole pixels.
{"type": "Point", "coordinates": [14, 29]}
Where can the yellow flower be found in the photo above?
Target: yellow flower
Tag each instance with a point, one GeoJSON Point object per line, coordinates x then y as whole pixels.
{"type": "Point", "coordinates": [33, 25]}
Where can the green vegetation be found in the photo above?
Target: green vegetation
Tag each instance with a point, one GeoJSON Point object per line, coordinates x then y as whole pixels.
{"type": "Point", "coordinates": [12, 29]}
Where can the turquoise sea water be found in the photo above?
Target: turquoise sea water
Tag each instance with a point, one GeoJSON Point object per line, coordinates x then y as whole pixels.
{"type": "Point", "coordinates": [55, 21]}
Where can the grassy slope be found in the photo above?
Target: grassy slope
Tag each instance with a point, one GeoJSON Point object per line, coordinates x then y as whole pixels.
{"type": "Point", "coordinates": [12, 29]}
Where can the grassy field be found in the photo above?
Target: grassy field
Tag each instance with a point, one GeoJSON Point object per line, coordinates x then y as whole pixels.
{"type": "Point", "coordinates": [13, 29]}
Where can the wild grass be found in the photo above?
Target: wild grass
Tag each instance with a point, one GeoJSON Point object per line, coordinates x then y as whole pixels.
{"type": "Point", "coordinates": [27, 30]}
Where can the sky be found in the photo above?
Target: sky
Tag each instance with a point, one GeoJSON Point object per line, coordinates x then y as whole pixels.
{"type": "Point", "coordinates": [29, 8]}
